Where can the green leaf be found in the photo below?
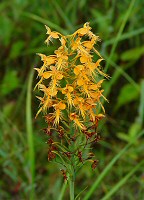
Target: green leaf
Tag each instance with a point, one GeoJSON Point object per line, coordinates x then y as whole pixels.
{"type": "Point", "coordinates": [127, 94]}
{"type": "Point", "coordinates": [133, 54]}
{"type": "Point", "coordinates": [11, 174]}
{"type": "Point", "coordinates": [8, 109]}
{"type": "Point", "coordinates": [141, 106]}
{"type": "Point", "coordinates": [16, 49]}
{"type": "Point", "coordinates": [3, 153]}
{"type": "Point", "coordinates": [5, 30]}
{"type": "Point", "coordinates": [131, 135]}
{"type": "Point", "coordinates": [123, 136]}
{"type": "Point", "coordinates": [10, 82]}
{"type": "Point", "coordinates": [122, 181]}
{"type": "Point", "coordinates": [134, 129]}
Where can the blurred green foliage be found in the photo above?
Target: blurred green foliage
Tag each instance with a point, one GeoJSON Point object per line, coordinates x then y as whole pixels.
{"type": "Point", "coordinates": [24, 170]}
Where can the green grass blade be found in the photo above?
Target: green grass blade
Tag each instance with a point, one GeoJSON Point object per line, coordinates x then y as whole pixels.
{"type": "Point", "coordinates": [20, 100]}
{"type": "Point", "coordinates": [124, 74]}
{"type": "Point", "coordinates": [9, 124]}
{"type": "Point", "coordinates": [119, 33]}
{"type": "Point", "coordinates": [44, 21]}
{"type": "Point", "coordinates": [122, 181]}
{"type": "Point", "coordinates": [29, 129]}
{"type": "Point", "coordinates": [118, 71]}
{"type": "Point", "coordinates": [63, 15]}
{"type": "Point", "coordinates": [63, 190]}
{"type": "Point", "coordinates": [78, 196]}
{"type": "Point", "coordinates": [141, 106]}
{"type": "Point", "coordinates": [125, 36]}
{"type": "Point", "coordinates": [108, 168]}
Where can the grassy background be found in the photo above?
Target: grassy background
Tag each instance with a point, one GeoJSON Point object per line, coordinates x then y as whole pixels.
{"type": "Point", "coordinates": [24, 170]}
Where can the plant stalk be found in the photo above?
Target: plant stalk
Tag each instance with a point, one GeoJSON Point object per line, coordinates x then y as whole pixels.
{"type": "Point", "coordinates": [71, 185]}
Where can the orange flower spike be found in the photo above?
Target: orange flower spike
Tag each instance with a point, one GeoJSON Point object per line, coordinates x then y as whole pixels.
{"type": "Point", "coordinates": [52, 35]}
{"type": "Point", "coordinates": [70, 81]}
{"type": "Point", "coordinates": [67, 91]}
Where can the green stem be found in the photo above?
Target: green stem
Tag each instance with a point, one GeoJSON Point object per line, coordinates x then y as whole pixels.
{"type": "Point", "coordinates": [71, 184]}
{"type": "Point", "coordinates": [30, 135]}
{"type": "Point", "coordinates": [71, 181]}
{"type": "Point", "coordinates": [63, 191]}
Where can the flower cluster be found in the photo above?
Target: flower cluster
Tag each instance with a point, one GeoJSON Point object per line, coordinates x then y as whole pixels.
{"type": "Point", "coordinates": [70, 81]}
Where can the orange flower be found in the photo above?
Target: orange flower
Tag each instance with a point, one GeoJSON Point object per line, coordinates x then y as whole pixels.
{"type": "Point", "coordinates": [67, 91]}
{"type": "Point", "coordinates": [55, 75]}
{"type": "Point", "coordinates": [83, 31]}
{"type": "Point", "coordinates": [48, 60]}
{"type": "Point", "coordinates": [79, 104]}
{"type": "Point", "coordinates": [78, 69]}
{"type": "Point", "coordinates": [88, 45]}
{"type": "Point", "coordinates": [58, 108]}
{"type": "Point", "coordinates": [52, 35]}
{"type": "Point", "coordinates": [85, 58]}
{"type": "Point", "coordinates": [75, 119]}
{"type": "Point", "coordinates": [62, 55]}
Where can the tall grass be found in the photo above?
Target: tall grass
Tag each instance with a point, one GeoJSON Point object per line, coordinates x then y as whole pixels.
{"type": "Point", "coordinates": [107, 169]}
{"type": "Point", "coordinates": [127, 15]}
{"type": "Point", "coordinates": [30, 134]}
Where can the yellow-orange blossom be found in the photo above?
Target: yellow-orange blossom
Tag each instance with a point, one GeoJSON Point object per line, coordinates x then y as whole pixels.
{"type": "Point", "coordinates": [71, 79]}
